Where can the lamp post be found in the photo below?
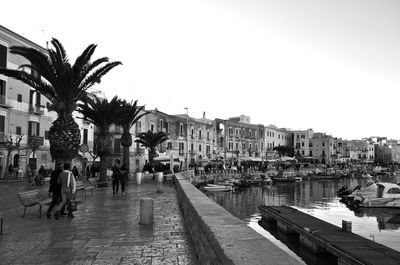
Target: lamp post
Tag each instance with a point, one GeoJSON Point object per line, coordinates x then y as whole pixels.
{"type": "Point", "coordinates": [187, 139]}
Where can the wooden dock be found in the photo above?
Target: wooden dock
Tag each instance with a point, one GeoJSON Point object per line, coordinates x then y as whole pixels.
{"type": "Point", "coordinates": [322, 237]}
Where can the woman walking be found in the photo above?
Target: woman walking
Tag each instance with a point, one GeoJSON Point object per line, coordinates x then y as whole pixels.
{"type": "Point", "coordinates": [68, 188]}
{"type": "Point", "coordinates": [123, 178]}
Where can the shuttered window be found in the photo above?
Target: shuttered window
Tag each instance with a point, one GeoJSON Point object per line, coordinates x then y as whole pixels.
{"type": "Point", "coordinates": [3, 56]}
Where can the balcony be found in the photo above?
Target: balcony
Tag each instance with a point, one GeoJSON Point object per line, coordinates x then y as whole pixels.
{"type": "Point", "coordinates": [4, 102]}
{"type": "Point", "coordinates": [35, 141]}
{"type": "Point", "coordinates": [37, 109]}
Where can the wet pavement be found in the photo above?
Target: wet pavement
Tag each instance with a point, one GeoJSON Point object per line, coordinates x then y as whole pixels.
{"type": "Point", "coordinates": [105, 230]}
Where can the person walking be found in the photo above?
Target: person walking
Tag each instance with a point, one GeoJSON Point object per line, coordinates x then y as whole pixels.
{"type": "Point", "coordinates": [75, 172]}
{"type": "Point", "coordinates": [68, 189]}
{"type": "Point", "coordinates": [116, 176]}
{"type": "Point", "coordinates": [123, 178]}
{"type": "Point", "coordinates": [54, 189]}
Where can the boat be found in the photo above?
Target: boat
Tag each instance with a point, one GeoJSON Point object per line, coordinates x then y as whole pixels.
{"type": "Point", "coordinates": [283, 177]}
{"type": "Point", "coordinates": [215, 187]}
{"type": "Point", "coordinates": [385, 195]}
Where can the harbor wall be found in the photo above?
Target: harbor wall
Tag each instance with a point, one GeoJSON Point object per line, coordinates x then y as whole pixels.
{"type": "Point", "coordinates": [220, 238]}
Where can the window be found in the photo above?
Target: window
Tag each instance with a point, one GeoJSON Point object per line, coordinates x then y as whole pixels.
{"type": "Point", "coordinates": [191, 147]}
{"type": "Point", "coordinates": [2, 124]}
{"type": "Point", "coordinates": [85, 136]}
{"type": "Point", "coordinates": [302, 144]}
{"type": "Point", "coordinates": [152, 127]}
{"type": "Point", "coordinates": [169, 145]}
{"type": "Point", "coordinates": [46, 135]}
{"type": "Point", "coordinates": [117, 146]}
{"type": "Point", "coordinates": [31, 92]}
{"type": "Point", "coordinates": [200, 135]}
{"type": "Point", "coordinates": [19, 98]}
{"type": "Point", "coordinates": [394, 191]}
{"type": "Point", "coordinates": [230, 132]}
{"type": "Point", "coordinates": [33, 128]}
{"type": "Point", "coordinates": [166, 127]}
{"type": "Point", "coordinates": [297, 136]}
{"type": "Point", "coordinates": [237, 146]}
{"type": "Point", "coordinates": [192, 133]}
{"type": "Point", "coordinates": [302, 152]}
{"type": "Point", "coordinates": [18, 130]}
{"type": "Point", "coordinates": [208, 135]}
{"type": "Point", "coordinates": [35, 73]}
{"type": "Point", "coordinates": [2, 92]}
{"type": "Point", "coordinates": [38, 96]}
{"type": "Point", "coordinates": [199, 147]}
{"type": "Point", "coordinates": [310, 145]}
{"type": "Point", "coordinates": [3, 56]}
{"type": "Point", "coordinates": [303, 136]}
{"type": "Point", "coordinates": [323, 144]}
{"type": "Point", "coordinates": [161, 125]}
{"type": "Point", "coordinates": [310, 153]}
{"type": "Point", "coordinates": [208, 150]}
{"type": "Point", "coordinates": [181, 129]}
{"type": "Point", "coordinates": [138, 127]}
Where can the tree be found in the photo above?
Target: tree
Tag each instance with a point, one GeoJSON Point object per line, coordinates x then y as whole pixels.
{"type": "Point", "coordinates": [63, 85]}
{"type": "Point", "coordinates": [151, 140]}
{"type": "Point", "coordinates": [130, 114]}
{"type": "Point", "coordinates": [284, 150]}
{"type": "Point", "coordinates": [11, 145]}
{"type": "Point", "coordinates": [102, 114]}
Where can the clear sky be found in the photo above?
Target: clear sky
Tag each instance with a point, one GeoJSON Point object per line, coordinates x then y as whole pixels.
{"type": "Point", "coordinates": [333, 66]}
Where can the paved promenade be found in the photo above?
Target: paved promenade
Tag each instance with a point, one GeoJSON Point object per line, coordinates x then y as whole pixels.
{"type": "Point", "coordinates": [105, 230]}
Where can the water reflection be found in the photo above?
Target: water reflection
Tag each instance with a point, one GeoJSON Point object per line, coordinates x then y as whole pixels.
{"type": "Point", "coordinates": [317, 198]}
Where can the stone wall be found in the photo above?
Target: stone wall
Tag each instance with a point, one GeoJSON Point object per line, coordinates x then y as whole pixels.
{"type": "Point", "coordinates": [219, 237]}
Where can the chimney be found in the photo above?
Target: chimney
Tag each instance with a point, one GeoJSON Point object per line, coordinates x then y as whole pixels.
{"type": "Point", "coordinates": [204, 115]}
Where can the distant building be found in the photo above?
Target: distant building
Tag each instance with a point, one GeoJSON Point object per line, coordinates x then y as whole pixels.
{"type": "Point", "coordinates": [387, 154]}
{"type": "Point", "coordinates": [323, 147]}
{"type": "Point", "coordinates": [276, 137]}
{"type": "Point", "coordinates": [301, 142]}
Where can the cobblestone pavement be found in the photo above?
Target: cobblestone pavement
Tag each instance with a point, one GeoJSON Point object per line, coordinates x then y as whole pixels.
{"type": "Point", "coordinates": [105, 230]}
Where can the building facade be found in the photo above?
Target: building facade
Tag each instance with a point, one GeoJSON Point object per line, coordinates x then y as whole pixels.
{"type": "Point", "coordinates": [301, 142]}
{"type": "Point", "coordinates": [276, 137]}
{"type": "Point", "coordinates": [23, 113]}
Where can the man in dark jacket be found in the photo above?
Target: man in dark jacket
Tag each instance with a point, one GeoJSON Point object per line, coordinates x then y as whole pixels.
{"type": "Point", "coordinates": [54, 189]}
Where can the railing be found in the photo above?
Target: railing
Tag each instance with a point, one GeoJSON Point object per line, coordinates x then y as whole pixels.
{"type": "Point", "coordinates": [35, 110]}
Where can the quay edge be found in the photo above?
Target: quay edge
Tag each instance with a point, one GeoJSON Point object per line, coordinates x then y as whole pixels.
{"type": "Point", "coordinates": [220, 238]}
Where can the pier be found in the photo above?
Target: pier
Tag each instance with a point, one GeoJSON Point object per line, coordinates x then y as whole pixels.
{"type": "Point", "coordinates": [322, 237]}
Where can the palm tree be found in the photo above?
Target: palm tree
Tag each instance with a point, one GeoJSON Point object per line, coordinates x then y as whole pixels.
{"type": "Point", "coordinates": [63, 85]}
{"type": "Point", "coordinates": [130, 114]}
{"type": "Point", "coordinates": [102, 114]}
{"type": "Point", "coordinates": [151, 140]}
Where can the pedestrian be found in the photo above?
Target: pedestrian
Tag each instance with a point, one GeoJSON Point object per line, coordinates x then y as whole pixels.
{"type": "Point", "coordinates": [68, 189]}
{"type": "Point", "coordinates": [40, 176]}
{"type": "Point", "coordinates": [87, 172]}
{"type": "Point", "coordinates": [10, 171]}
{"type": "Point", "coordinates": [116, 176]}
{"type": "Point", "coordinates": [124, 178]}
{"type": "Point", "coordinates": [75, 172]}
{"type": "Point", "coordinates": [55, 189]}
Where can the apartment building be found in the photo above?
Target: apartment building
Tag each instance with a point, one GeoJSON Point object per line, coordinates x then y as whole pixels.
{"type": "Point", "coordinates": [275, 136]}
{"type": "Point", "coordinates": [23, 112]}
{"type": "Point", "coordinates": [301, 142]}
{"type": "Point", "coordinates": [323, 147]}
{"type": "Point", "coordinates": [237, 137]}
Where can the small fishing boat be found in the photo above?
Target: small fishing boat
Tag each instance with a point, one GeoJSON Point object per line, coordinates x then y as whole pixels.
{"type": "Point", "coordinates": [284, 177]}
{"type": "Point", "coordinates": [215, 187]}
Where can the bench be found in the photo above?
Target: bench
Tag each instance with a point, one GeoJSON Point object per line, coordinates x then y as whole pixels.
{"type": "Point", "coordinates": [31, 198]}
{"type": "Point", "coordinates": [84, 188]}
{"type": "Point", "coordinates": [95, 183]}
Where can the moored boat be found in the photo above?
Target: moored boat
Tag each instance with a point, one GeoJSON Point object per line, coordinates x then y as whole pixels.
{"type": "Point", "coordinates": [215, 187]}
{"type": "Point", "coordinates": [384, 195]}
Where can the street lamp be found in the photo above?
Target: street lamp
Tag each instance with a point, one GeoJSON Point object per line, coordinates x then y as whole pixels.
{"type": "Point", "coordinates": [187, 139]}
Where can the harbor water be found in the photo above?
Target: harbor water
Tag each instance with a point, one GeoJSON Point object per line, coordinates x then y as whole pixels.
{"type": "Point", "coordinates": [317, 198]}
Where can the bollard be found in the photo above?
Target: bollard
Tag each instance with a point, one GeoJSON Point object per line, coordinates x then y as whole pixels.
{"type": "Point", "coordinates": [160, 182]}
{"type": "Point", "coordinates": [138, 178]}
{"type": "Point", "coordinates": [146, 211]}
{"type": "Point", "coordinates": [346, 226]}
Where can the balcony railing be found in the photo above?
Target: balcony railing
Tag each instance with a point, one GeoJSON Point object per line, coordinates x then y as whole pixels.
{"type": "Point", "coordinates": [36, 110]}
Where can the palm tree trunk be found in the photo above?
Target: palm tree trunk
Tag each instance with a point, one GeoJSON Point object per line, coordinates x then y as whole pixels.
{"type": "Point", "coordinates": [126, 157]}
{"type": "Point", "coordinates": [103, 171]}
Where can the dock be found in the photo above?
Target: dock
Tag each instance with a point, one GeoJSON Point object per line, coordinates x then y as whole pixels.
{"type": "Point", "coordinates": [322, 237]}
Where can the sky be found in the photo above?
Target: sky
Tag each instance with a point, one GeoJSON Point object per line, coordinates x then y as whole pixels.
{"type": "Point", "coordinates": [333, 66]}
